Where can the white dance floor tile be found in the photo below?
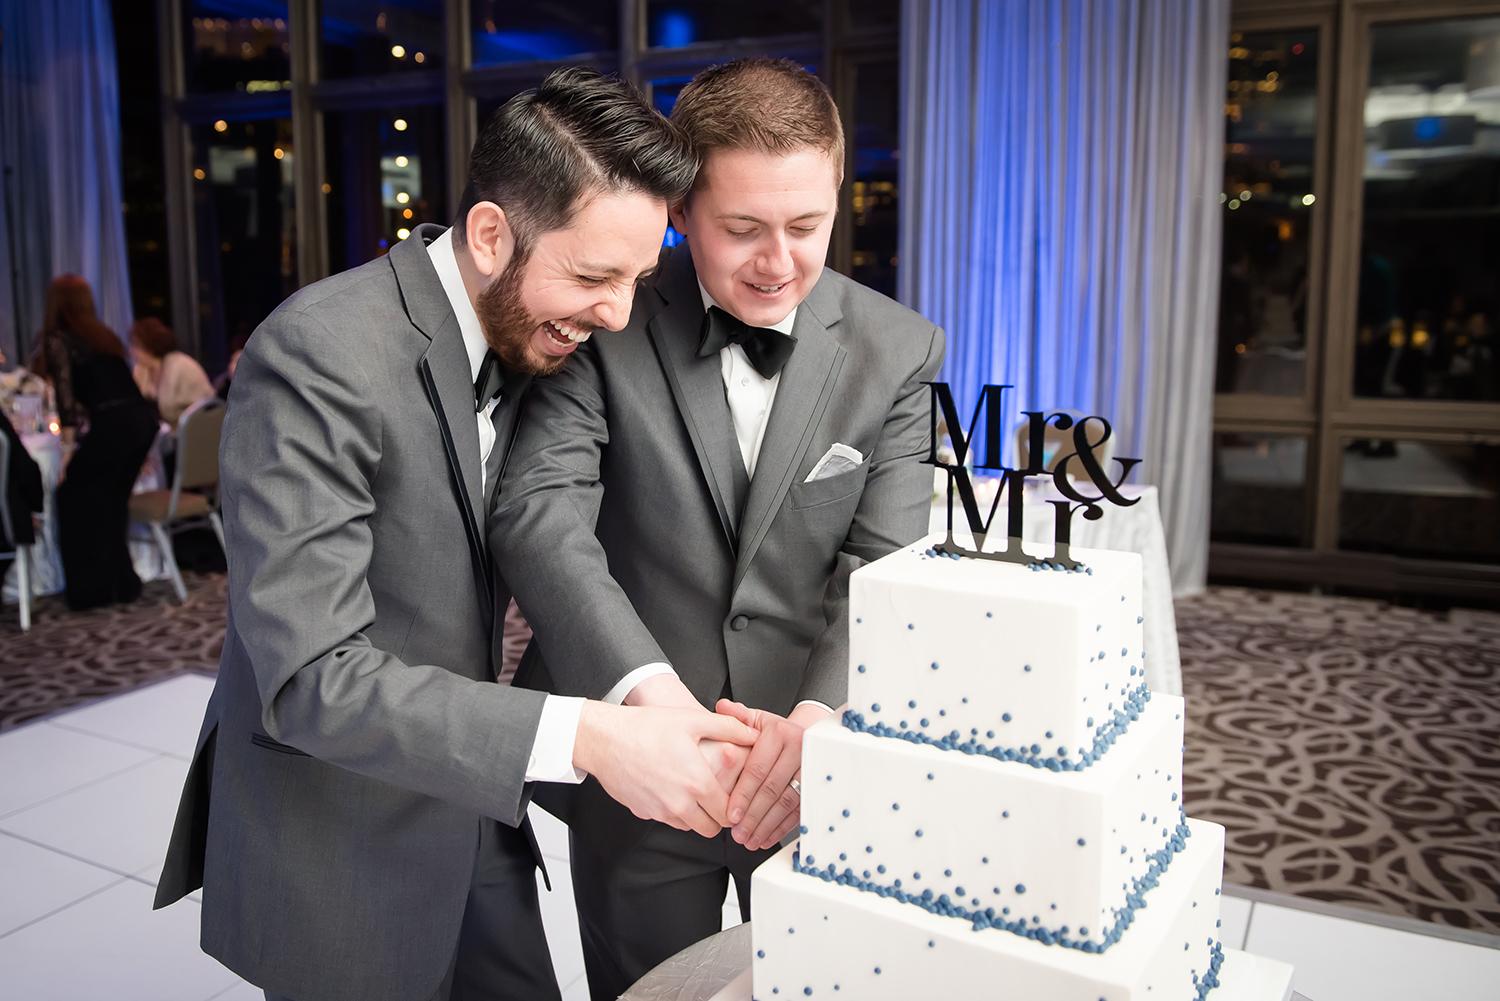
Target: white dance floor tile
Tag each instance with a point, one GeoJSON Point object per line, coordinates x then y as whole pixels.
{"type": "Point", "coordinates": [112, 946]}
{"type": "Point", "coordinates": [164, 717]}
{"type": "Point", "coordinates": [38, 881]}
{"type": "Point", "coordinates": [1234, 918]}
{"type": "Point", "coordinates": [122, 822]}
{"type": "Point", "coordinates": [1341, 960]}
{"type": "Point", "coordinates": [40, 761]}
{"type": "Point", "coordinates": [560, 920]}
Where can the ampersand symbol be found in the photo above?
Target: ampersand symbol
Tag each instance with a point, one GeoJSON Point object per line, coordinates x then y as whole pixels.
{"type": "Point", "coordinates": [1083, 451]}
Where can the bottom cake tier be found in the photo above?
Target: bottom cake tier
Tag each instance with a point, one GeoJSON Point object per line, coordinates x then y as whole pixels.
{"type": "Point", "coordinates": [816, 938]}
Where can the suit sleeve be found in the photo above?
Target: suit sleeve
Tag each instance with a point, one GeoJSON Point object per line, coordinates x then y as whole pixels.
{"type": "Point", "coordinates": [542, 536]}
{"type": "Point", "coordinates": [893, 512]}
{"type": "Point", "coordinates": [299, 459]}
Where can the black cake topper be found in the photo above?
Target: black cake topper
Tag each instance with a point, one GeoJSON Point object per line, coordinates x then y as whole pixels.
{"type": "Point", "coordinates": [1015, 479]}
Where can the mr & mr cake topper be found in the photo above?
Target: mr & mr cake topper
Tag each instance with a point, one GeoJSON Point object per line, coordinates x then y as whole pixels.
{"type": "Point", "coordinates": [1014, 480]}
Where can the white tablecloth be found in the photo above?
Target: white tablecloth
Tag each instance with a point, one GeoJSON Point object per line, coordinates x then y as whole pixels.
{"type": "Point", "coordinates": [1134, 529]}
{"type": "Point", "coordinates": [46, 557]}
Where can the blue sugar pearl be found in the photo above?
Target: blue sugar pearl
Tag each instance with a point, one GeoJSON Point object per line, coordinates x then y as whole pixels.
{"type": "Point", "coordinates": [911, 625]}
{"type": "Point", "coordinates": [1139, 620]}
{"type": "Point", "coordinates": [931, 943]}
{"type": "Point", "coordinates": [895, 806]}
{"type": "Point", "coordinates": [1005, 813]}
{"type": "Point", "coordinates": [807, 990]}
{"type": "Point", "coordinates": [1020, 888]}
{"type": "Point", "coordinates": [880, 868]}
{"type": "Point", "coordinates": [830, 831]}
{"type": "Point", "coordinates": [959, 890]}
{"type": "Point", "coordinates": [990, 734]}
{"type": "Point", "coordinates": [792, 931]}
{"type": "Point", "coordinates": [1174, 797]}
{"type": "Point", "coordinates": [1101, 654]}
{"type": "Point", "coordinates": [897, 884]}
{"type": "Point", "coordinates": [934, 665]}
{"type": "Point", "coordinates": [1090, 721]}
{"type": "Point", "coordinates": [1036, 748]}
{"type": "Point", "coordinates": [986, 861]}
{"type": "Point", "coordinates": [842, 856]}
{"type": "Point", "coordinates": [1098, 627]}
{"type": "Point", "coordinates": [916, 875]}
{"type": "Point", "coordinates": [989, 615]}
{"type": "Point", "coordinates": [1028, 667]}
{"type": "Point", "coordinates": [1004, 718]}
{"type": "Point", "coordinates": [966, 702]}
{"type": "Point", "coordinates": [903, 724]}
{"type": "Point", "coordinates": [924, 721]}
{"type": "Point", "coordinates": [1123, 651]}
{"type": "Point", "coordinates": [846, 813]}
{"type": "Point", "coordinates": [919, 832]}
{"type": "Point", "coordinates": [803, 828]}
{"type": "Point", "coordinates": [760, 953]}
{"type": "Point", "coordinates": [929, 776]}
{"type": "Point", "coordinates": [942, 712]}
{"type": "Point", "coordinates": [1080, 842]}
{"type": "Point", "coordinates": [877, 970]}
{"type": "Point", "coordinates": [868, 849]}
{"type": "Point", "coordinates": [1062, 752]}
{"type": "Point", "coordinates": [1085, 931]}
{"type": "Point", "coordinates": [1049, 734]}
{"type": "Point", "coordinates": [861, 669]}
{"type": "Point", "coordinates": [859, 620]}
{"type": "Point", "coordinates": [912, 704]}
{"type": "Point", "coordinates": [947, 872]}
{"type": "Point", "coordinates": [875, 707]}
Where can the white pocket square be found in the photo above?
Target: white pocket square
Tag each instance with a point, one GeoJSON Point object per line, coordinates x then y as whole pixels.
{"type": "Point", "coordinates": [839, 458]}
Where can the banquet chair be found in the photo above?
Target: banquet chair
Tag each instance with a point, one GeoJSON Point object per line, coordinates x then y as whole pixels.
{"type": "Point", "coordinates": [169, 512]}
{"type": "Point", "coordinates": [1059, 444]}
{"type": "Point", "coordinates": [8, 545]}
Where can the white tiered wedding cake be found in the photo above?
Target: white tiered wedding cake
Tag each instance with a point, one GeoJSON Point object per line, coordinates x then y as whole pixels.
{"type": "Point", "coordinates": [999, 812]}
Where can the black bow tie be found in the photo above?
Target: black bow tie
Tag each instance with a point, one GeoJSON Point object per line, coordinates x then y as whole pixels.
{"type": "Point", "coordinates": [491, 378]}
{"type": "Point", "coordinates": [767, 349]}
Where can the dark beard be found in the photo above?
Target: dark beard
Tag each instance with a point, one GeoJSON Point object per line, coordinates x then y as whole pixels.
{"type": "Point", "coordinates": [508, 328]}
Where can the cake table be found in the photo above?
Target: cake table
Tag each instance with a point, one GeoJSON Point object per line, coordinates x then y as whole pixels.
{"type": "Point", "coordinates": [718, 969]}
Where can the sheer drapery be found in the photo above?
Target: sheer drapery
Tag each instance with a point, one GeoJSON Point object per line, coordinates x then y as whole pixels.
{"type": "Point", "coordinates": [1061, 165]}
{"type": "Point", "coordinates": [60, 143]}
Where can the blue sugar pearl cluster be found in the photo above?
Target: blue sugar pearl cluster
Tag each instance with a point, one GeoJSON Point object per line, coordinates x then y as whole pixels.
{"type": "Point", "coordinates": [940, 904]}
{"type": "Point", "coordinates": [1105, 736]}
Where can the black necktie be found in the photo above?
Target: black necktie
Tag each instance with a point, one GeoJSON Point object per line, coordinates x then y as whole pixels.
{"type": "Point", "coordinates": [487, 386]}
{"type": "Point", "coordinates": [767, 349]}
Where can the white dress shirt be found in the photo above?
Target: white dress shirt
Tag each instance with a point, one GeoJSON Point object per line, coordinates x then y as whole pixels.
{"type": "Point", "coordinates": [552, 751]}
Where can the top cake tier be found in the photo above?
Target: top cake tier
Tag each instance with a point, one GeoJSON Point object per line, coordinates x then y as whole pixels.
{"type": "Point", "coordinates": [1040, 666]}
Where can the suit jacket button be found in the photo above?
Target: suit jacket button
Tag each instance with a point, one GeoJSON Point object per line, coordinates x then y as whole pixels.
{"type": "Point", "coordinates": [739, 622]}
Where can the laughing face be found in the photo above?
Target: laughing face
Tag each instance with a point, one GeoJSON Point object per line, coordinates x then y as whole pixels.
{"type": "Point", "coordinates": [570, 282]}
{"type": "Point", "coordinates": [758, 227]}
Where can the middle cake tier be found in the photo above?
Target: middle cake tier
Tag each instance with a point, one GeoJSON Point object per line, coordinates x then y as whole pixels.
{"type": "Point", "coordinates": [1067, 853]}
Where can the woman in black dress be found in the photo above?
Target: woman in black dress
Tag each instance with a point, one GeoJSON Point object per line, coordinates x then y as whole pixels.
{"type": "Point", "coordinates": [85, 362]}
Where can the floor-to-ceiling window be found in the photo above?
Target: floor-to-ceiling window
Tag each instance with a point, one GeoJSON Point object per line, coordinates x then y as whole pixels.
{"type": "Point", "coordinates": [305, 137]}
{"type": "Point", "coordinates": [1358, 412]}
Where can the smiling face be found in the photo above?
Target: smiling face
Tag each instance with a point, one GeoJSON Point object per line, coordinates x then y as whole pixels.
{"type": "Point", "coordinates": [539, 307]}
{"type": "Point", "coordinates": [758, 227]}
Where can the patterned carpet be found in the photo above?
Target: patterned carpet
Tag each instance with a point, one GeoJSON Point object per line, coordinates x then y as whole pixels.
{"type": "Point", "coordinates": [1351, 747]}
{"type": "Point", "coordinates": [73, 657]}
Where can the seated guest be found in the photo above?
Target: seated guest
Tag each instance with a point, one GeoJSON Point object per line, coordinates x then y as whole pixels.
{"type": "Point", "coordinates": [85, 363]}
{"type": "Point", "coordinates": [23, 488]}
{"type": "Point", "coordinates": [164, 374]}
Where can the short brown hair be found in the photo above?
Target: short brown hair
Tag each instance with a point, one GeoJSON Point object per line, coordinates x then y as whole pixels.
{"type": "Point", "coordinates": [768, 105]}
{"type": "Point", "coordinates": [154, 336]}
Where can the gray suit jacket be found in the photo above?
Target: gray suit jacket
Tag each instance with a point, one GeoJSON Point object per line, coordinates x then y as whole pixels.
{"type": "Point", "coordinates": [619, 500]}
{"type": "Point", "coordinates": [355, 737]}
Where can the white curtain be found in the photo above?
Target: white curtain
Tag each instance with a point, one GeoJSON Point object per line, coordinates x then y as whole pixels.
{"type": "Point", "coordinates": [60, 144]}
{"type": "Point", "coordinates": [1061, 165]}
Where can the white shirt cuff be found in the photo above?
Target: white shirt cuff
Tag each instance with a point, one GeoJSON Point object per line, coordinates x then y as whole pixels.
{"type": "Point", "coordinates": [814, 702]}
{"type": "Point", "coordinates": [552, 752]}
{"type": "Point", "coordinates": [626, 685]}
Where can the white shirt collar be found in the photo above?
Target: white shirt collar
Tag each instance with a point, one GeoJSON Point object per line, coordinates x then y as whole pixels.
{"type": "Point", "coordinates": [785, 326]}
{"type": "Point", "coordinates": [445, 261]}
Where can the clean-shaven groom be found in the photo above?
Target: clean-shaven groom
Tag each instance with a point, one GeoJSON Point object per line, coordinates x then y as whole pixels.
{"type": "Point", "coordinates": [687, 499]}
{"type": "Point", "coordinates": [356, 811]}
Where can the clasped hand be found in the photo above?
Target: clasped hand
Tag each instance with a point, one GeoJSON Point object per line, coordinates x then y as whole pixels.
{"type": "Point", "coordinates": [667, 758]}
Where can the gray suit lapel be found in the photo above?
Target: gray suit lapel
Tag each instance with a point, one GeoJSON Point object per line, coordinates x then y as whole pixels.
{"type": "Point", "coordinates": [445, 374]}
{"type": "Point", "coordinates": [697, 384]}
{"type": "Point", "coordinates": [806, 384]}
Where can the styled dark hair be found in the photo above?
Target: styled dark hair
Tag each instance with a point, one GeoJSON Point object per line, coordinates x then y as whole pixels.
{"type": "Point", "coordinates": [579, 133]}
{"type": "Point", "coordinates": [766, 105]}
